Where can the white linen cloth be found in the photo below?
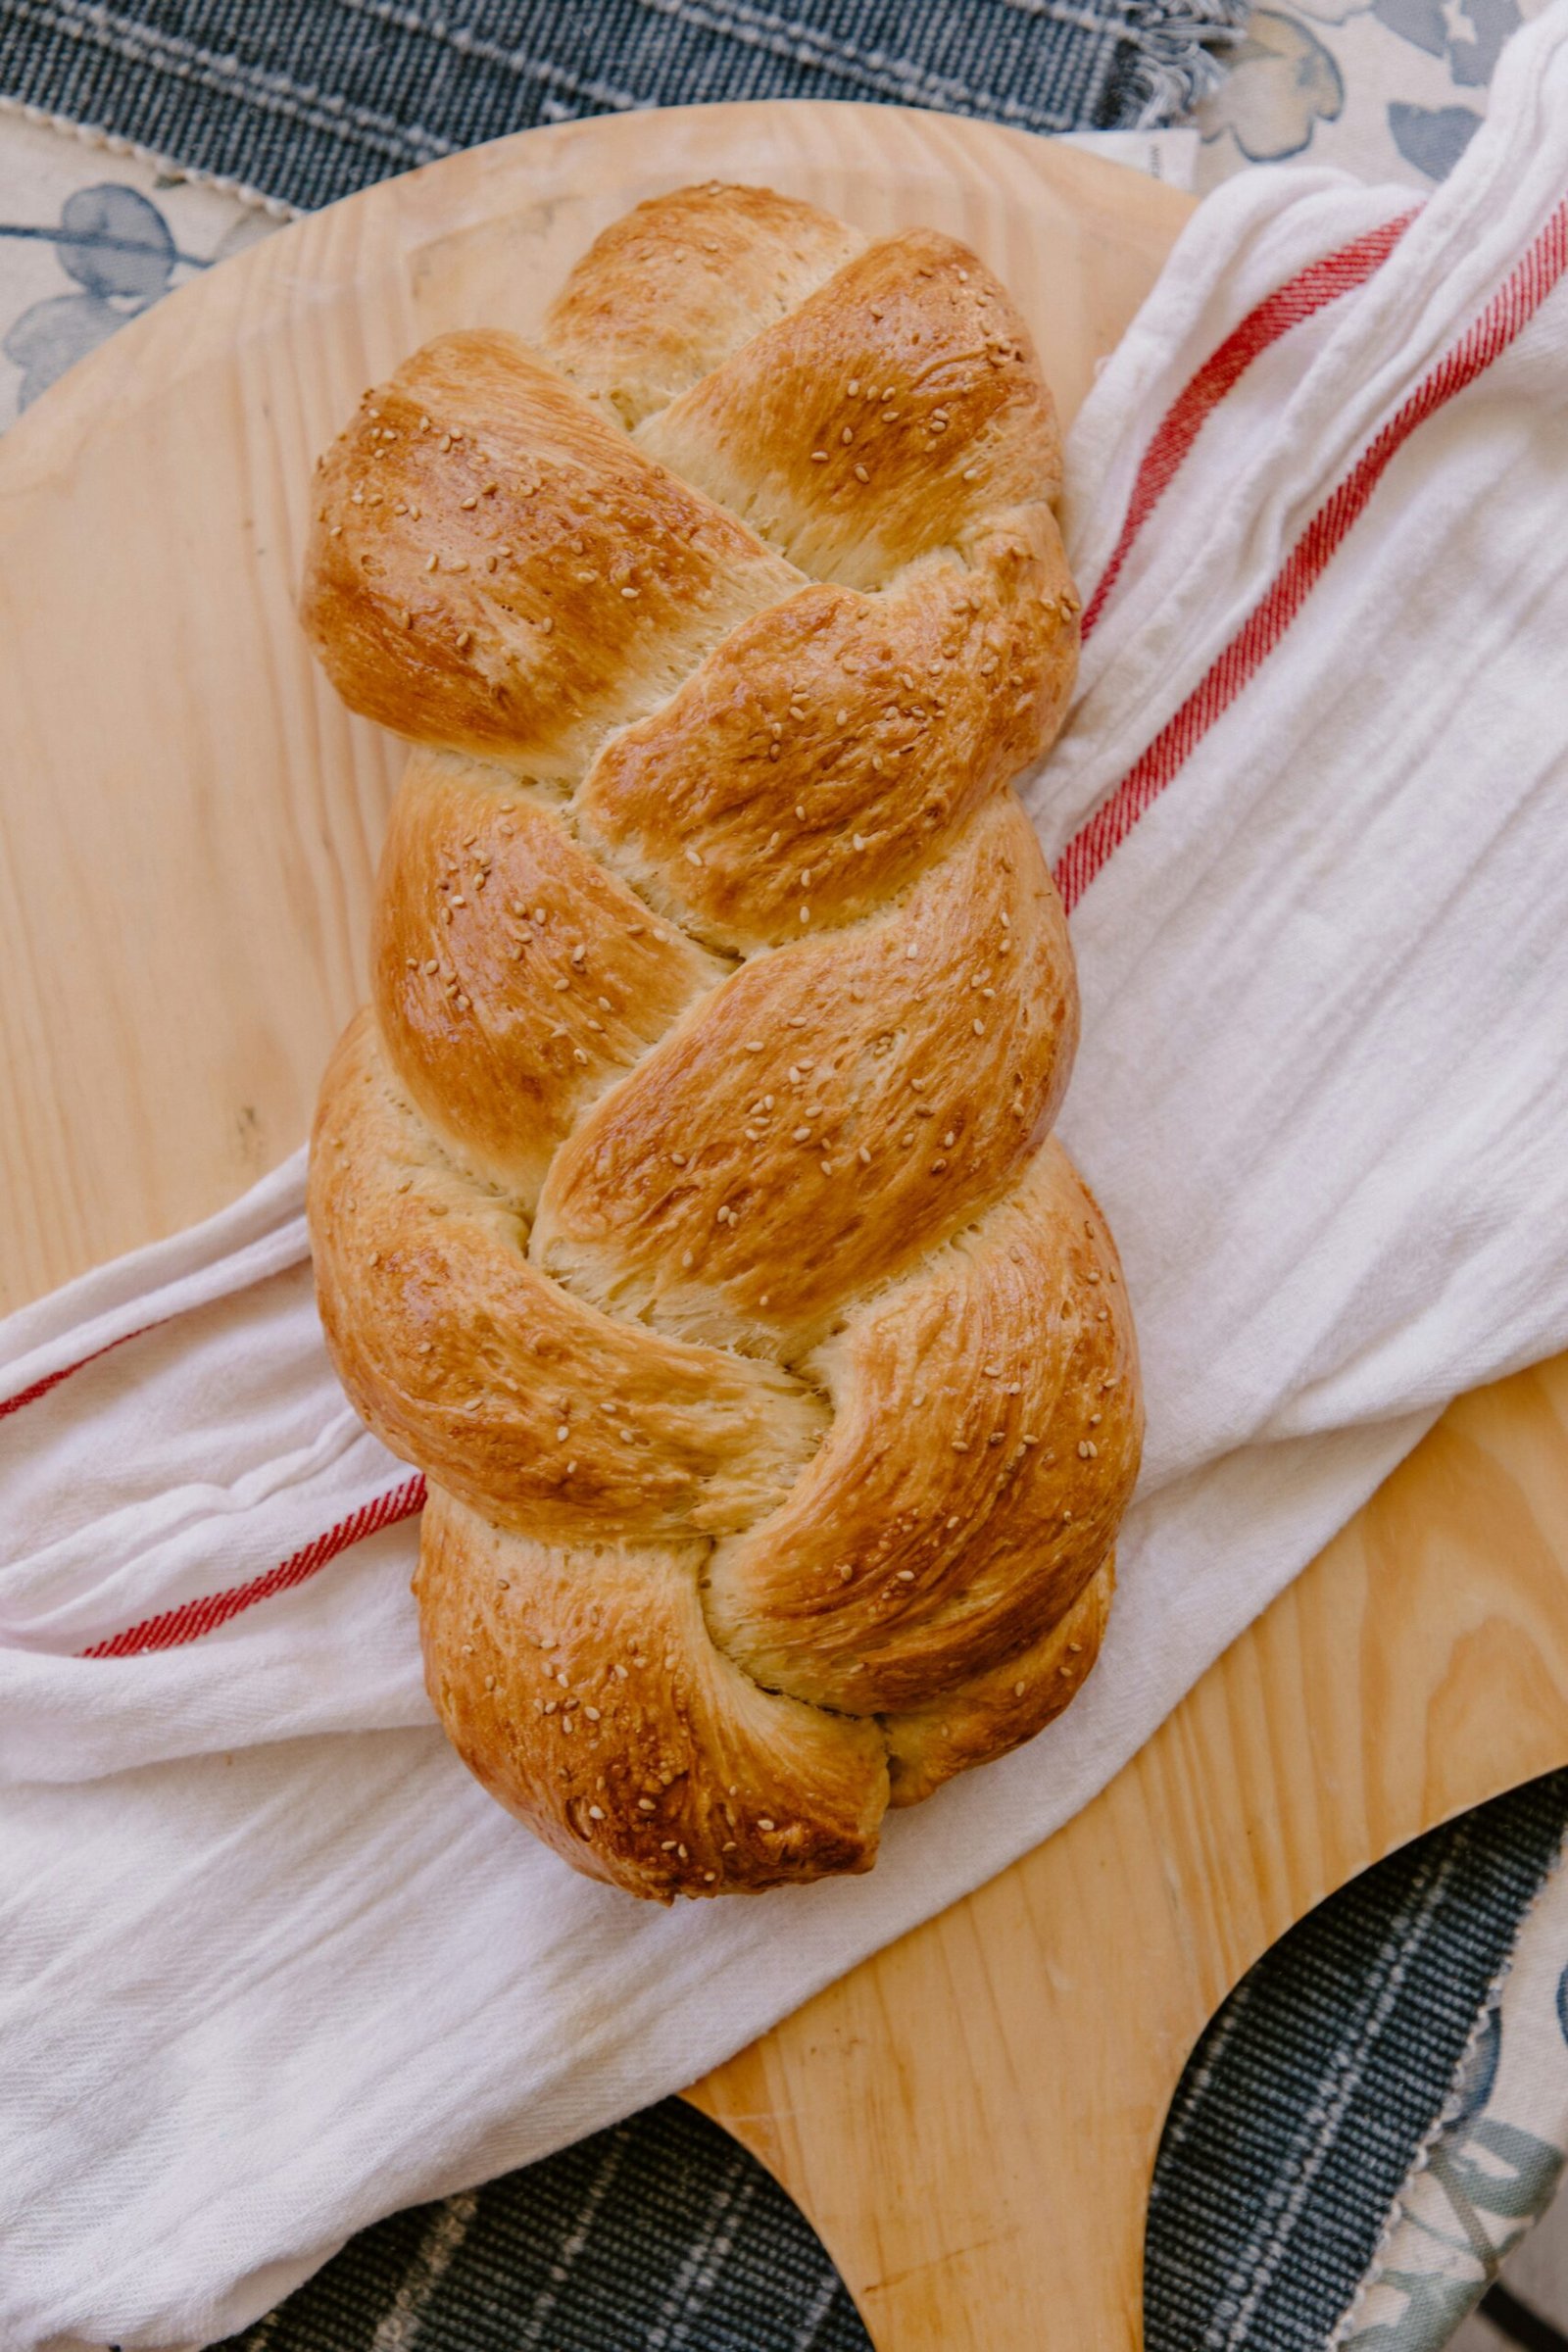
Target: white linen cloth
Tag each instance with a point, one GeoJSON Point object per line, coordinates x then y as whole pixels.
{"type": "Point", "coordinates": [272, 1963]}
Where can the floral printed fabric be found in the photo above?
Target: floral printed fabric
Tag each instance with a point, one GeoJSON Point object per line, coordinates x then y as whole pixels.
{"type": "Point", "coordinates": [90, 238]}
{"type": "Point", "coordinates": [1387, 89]}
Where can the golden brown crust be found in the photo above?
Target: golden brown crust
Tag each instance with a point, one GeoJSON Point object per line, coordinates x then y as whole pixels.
{"type": "Point", "coordinates": [675, 286]}
{"type": "Point", "coordinates": [513, 977]}
{"type": "Point", "coordinates": [985, 1438]}
{"type": "Point", "coordinates": [993, 1713]}
{"type": "Point", "coordinates": [495, 569]}
{"type": "Point", "coordinates": [833, 746]}
{"type": "Point", "coordinates": [685, 1207]}
{"type": "Point", "coordinates": [500, 1384]}
{"type": "Point", "coordinates": [581, 1686]}
{"type": "Point", "coordinates": [831, 1112]}
{"type": "Point", "coordinates": [897, 410]}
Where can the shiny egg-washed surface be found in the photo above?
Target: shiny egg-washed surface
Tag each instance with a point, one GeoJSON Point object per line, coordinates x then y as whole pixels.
{"type": "Point", "coordinates": [684, 1204]}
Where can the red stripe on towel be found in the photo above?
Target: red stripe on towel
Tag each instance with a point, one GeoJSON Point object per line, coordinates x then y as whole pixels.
{"type": "Point", "coordinates": [171, 1628]}
{"type": "Point", "coordinates": [1312, 289]}
{"type": "Point", "coordinates": [52, 1380]}
{"type": "Point", "coordinates": [1505, 315]}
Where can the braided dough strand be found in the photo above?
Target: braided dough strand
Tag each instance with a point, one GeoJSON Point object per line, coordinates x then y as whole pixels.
{"type": "Point", "coordinates": [684, 1204]}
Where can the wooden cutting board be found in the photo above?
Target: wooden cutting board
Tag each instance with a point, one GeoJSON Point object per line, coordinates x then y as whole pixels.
{"type": "Point", "coordinates": [188, 827]}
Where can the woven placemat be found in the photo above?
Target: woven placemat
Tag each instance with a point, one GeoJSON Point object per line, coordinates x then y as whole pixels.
{"type": "Point", "coordinates": [306, 100]}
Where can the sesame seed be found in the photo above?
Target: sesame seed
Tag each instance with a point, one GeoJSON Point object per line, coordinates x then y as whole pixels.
{"type": "Point", "coordinates": [645, 1804]}
{"type": "Point", "coordinates": [860, 474]}
{"type": "Point", "coordinates": [906, 1576]}
{"type": "Point", "coordinates": [577, 1054]}
{"type": "Point", "coordinates": [845, 435]}
{"type": "Point", "coordinates": [819, 457]}
{"type": "Point", "coordinates": [959, 1446]}
{"type": "Point", "coordinates": [596, 1812]}
{"type": "Point", "coordinates": [754, 1045]}
{"type": "Point", "coordinates": [864, 1156]}
{"type": "Point", "coordinates": [978, 1027]}
{"type": "Point", "coordinates": [694, 856]}
{"type": "Point", "coordinates": [764, 1825]}
{"type": "Point", "coordinates": [430, 563]}
{"type": "Point", "coordinates": [1017, 1689]}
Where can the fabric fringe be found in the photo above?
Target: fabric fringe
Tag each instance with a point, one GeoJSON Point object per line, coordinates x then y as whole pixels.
{"type": "Point", "coordinates": [1181, 54]}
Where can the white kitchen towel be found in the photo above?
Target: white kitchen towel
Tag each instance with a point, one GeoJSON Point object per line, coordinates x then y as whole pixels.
{"type": "Point", "coordinates": [272, 1964]}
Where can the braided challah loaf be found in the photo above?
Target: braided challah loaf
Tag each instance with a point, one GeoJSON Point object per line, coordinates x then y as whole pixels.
{"type": "Point", "coordinates": [685, 1205]}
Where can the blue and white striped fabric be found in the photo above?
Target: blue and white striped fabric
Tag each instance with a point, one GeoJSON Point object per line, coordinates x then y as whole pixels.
{"type": "Point", "coordinates": [305, 100]}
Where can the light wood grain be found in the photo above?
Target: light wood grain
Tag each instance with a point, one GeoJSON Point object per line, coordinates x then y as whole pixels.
{"type": "Point", "coordinates": [188, 823]}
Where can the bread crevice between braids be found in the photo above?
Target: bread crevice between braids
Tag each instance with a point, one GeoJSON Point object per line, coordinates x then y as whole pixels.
{"type": "Point", "coordinates": [685, 1204]}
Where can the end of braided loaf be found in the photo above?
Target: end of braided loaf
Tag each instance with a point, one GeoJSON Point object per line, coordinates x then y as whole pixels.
{"type": "Point", "coordinates": [685, 1205]}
